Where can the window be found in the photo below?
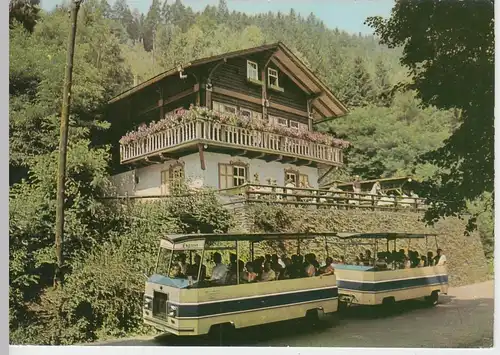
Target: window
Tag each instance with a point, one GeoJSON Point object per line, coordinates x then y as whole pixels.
{"type": "Point", "coordinates": [176, 176]}
{"type": "Point", "coordinates": [272, 77]}
{"type": "Point", "coordinates": [278, 120]}
{"type": "Point", "coordinates": [229, 108]}
{"type": "Point", "coordinates": [246, 113]}
{"type": "Point", "coordinates": [231, 175]}
{"type": "Point", "coordinates": [294, 124]}
{"type": "Point", "coordinates": [282, 121]}
{"type": "Point", "coordinates": [172, 178]}
{"type": "Point", "coordinates": [303, 127]}
{"type": "Point", "coordinates": [291, 174]}
{"type": "Point", "coordinates": [223, 108]}
{"type": "Point", "coordinates": [250, 114]}
{"type": "Point", "coordinates": [252, 70]}
{"type": "Point", "coordinates": [303, 180]}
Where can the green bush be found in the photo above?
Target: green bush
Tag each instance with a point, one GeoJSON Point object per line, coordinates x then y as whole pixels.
{"type": "Point", "coordinates": [102, 296]}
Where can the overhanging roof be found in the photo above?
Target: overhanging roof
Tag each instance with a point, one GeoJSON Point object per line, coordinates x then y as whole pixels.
{"type": "Point", "coordinates": [256, 237]}
{"type": "Point", "coordinates": [388, 236]}
{"type": "Point", "coordinates": [325, 104]}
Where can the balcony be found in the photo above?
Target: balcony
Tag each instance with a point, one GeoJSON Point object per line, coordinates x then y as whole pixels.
{"type": "Point", "coordinates": [216, 136]}
{"type": "Point", "coordinates": [319, 198]}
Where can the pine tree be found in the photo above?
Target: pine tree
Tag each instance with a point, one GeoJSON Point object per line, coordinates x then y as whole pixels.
{"type": "Point", "coordinates": [362, 85]}
{"type": "Point", "coordinates": [222, 11]}
{"type": "Point", "coordinates": [153, 19]}
{"type": "Point", "coordinates": [383, 85]}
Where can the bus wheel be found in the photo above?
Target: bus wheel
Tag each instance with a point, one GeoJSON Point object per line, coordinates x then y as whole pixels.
{"type": "Point", "coordinates": [221, 332]}
{"type": "Point", "coordinates": [315, 317]}
{"type": "Point", "coordinates": [432, 300]}
{"type": "Point", "coordinates": [388, 305]}
{"type": "Point", "coordinates": [319, 319]}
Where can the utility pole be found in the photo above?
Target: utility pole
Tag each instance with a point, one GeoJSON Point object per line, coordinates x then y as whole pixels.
{"type": "Point", "coordinates": [63, 145]}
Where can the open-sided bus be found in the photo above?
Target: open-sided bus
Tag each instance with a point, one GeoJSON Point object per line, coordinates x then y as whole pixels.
{"type": "Point", "coordinates": [370, 285]}
{"type": "Point", "coordinates": [196, 305]}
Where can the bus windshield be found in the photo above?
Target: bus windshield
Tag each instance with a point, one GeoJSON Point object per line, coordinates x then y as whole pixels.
{"type": "Point", "coordinates": [180, 264]}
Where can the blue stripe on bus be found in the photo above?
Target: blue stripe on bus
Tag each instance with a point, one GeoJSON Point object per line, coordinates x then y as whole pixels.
{"type": "Point", "coordinates": [391, 285]}
{"type": "Point", "coordinates": [248, 304]}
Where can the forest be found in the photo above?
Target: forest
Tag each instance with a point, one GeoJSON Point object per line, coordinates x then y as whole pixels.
{"type": "Point", "coordinates": [391, 126]}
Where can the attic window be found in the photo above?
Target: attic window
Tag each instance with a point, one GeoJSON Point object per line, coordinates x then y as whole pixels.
{"type": "Point", "coordinates": [252, 70]}
{"type": "Point", "coordinates": [272, 77]}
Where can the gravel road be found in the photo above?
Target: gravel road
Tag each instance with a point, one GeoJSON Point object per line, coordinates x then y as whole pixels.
{"type": "Point", "coordinates": [463, 318]}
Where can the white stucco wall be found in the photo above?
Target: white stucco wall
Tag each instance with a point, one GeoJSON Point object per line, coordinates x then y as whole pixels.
{"type": "Point", "coordinates": [149, 178]}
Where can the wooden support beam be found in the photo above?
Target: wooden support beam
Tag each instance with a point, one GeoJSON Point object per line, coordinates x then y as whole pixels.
{"type": "Point", "coordinates": [264, 92]}
{"type": "Point", "coordinates": [237, 95]}
{"type": "Point", "coordinates": [277, 158]}
{"type": "Point", "coordinates": [160, 103]}
{"type": "Point", "coordinates": [288, 109]}
{"type": "Point", "coordinates": [241, 153]}
{"type": "Point", "coordinates": [202, 156]}
{"type": "Point", "coordinates": [163, 102]}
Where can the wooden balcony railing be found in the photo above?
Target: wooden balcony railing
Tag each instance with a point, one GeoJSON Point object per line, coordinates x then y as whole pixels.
{"type": "Point", "coordinates": [229, 136]}
{"type": "Point", "coordinates": [318, 198]}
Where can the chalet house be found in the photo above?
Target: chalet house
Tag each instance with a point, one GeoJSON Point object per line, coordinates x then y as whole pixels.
{"type": "Point", "coordinates": [252, 114]}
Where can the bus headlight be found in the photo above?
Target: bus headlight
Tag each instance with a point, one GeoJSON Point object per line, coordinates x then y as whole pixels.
{"type": "Point", "coordinates": [171, 310]}
{"type": "Point", "coordinates": [148, 302]}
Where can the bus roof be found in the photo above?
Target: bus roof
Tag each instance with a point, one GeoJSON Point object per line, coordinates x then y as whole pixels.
{"type": "Point", "coordinates": [256, 237]}
{"type": "Point", "coordinates": [177, 238]}
{"type": "Point", "coordinates": [384, 235]}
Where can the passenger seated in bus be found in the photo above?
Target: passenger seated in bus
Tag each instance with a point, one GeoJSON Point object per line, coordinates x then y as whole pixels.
{"type": "Point", "coordinates": [232, 261]}
{"type": "Point", "coordinates": [268, 258]}
{"type": "Point", "coordinates": [423, 261]}
{"type": "Point", "coordinates": [287, 270]}
{"type": "Point", "coordinates": [219, 272]}
{"type": "Point", "coordinates": [430, 258]}
{"type": "Point", "coordinates": [309, 269]}
{"type": "Point", "coordinates": [361, 259]}
{"type": "Point", "coordinates": [268, 274]}
{"type": "Point", "coordinates": [328, 269]}
{"type": "Point", "coordinates": [295, 268]}
{"type": "Point", "coordinates": [440, 258]}
{"type": "Point", "coordinates": [232, 278]}
{"type": "Point", "coordinates": [176, 272]}
{"type": "Point", "coordinates": [413, 257]}
{"type": "Point", "coordinates": [193, 269]}
{"type": "Point", "coordinates": [368, 260]}
{"type": "Point", "coordinates": [407, 262]}
{"type": "Point", "coordinates": [342, 260]}
{"type": "Point", "coordinates": [257, 264]}
{"type": "Point", "coordinates": [315, 263]}
{"type": "Point", "coordinates": [380, 264]}
{"type": "Point", "coordinates": [281, 261]}
{"type": "Point", "coordinates": [182, 263]}
{"type": "Point", "coordinates": [276, 266]}
{"type": "Point", "coordinates": [249, 275]}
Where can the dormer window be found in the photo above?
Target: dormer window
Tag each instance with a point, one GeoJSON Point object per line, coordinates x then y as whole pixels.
{"type": "Point", "coordinates": [252, 70]}
{"type": "Point", "coordinates": [272, 77]}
